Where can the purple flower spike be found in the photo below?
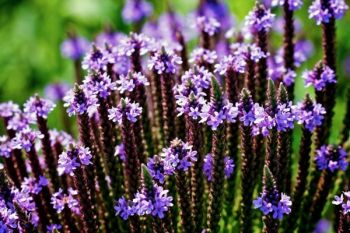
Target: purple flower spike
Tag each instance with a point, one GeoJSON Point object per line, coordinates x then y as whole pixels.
{"type": "Point", "coordinates": [263, 121]}
{"type": "Point", "coordinates": [135, 11]}
{"type": "Point", "coordinates": [99, 84]}
{"type": "Point", "coordinates": [19, 122]}
{"type": "Point", "coordinates": [321, 14]}
{"type": "Point", "coordinates": [178, 157]}
{"type": "Point", "coordinates": [136, 42]}
{"type": "Point", "coordinates": [293, 4]}
{"type": "Point", "coordinates": [157, 169]}
{"type": "Point", "coordinates": [73, 158]}
{"type": "Point", "coordinates": [38, 107]}
{"type": "Point", "coordinates": [74, 48]}
{"type": "Point", "coordinates": [344, 201]}
{"type": "Point", "coordinates": [124, 208]}
{"type": "Point", "coordinates": [56, 91]}
{"type": "Point", "coordinates": [23, 199]}
{"type": "Point", "coordinates": [310, 117]}
{"type": "Point", "coordinates": [208, 25]}
{"type": "Point", "coordinates": [277, 205]}
{"type": "Point", "coordinates": [284, 117]}
{"type": "Point", "coordinates": [25, 139]}
{"type": "Point", "coordinates": [32, 186]}
{"type": "Point", "coordinates": [9, 218]}
{"type": "Point", "coordinates": [236, 63]}
{"type": "Point", "coordinates": [259, 19]}
{"type": "Point", "coordinates": [164, 62]}
{"type": "Point", "coordinates": [289, 77]}
{"type": "Point", "coordinates": [200, 55]}
{"type": "Point", "coordinates": [131, 110]}
{"type": "Point", "coordinates": [209, 164]}
{"type": "Point", "coordinates": [5, 147]}
{"type": "Point", "coordinates": [80, 103]}
{"type": "Point", "coordinates": [9, 109]}
{"type": "Point", "coordinates": [130, 81]}
{"type": "Point", "coordinates": [95, 60]}
{"type": "Point", "coordinates": [59, 200]}
{"type": "Point", "coordinates": [331, 157]}
{"type": "Point", "coordinates": [319, 78]}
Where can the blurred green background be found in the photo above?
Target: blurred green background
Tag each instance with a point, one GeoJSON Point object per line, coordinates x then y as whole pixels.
{"type": "Point", "coordinates": [32, 30]}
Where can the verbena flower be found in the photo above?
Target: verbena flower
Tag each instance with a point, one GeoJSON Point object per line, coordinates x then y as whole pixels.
{"type": "Point", "coordinates": [263, 122]}
{"type": "Point", "coordinates": [293, 4]}
{"type": "Point", "coordinates": [179, 156]}
{"type": "Point", "coordinates": [157, 168]}
{"type": "Point", "coordinates": [344, 201]}
{"type": "Point", "coordinates": [23, 199]}
{"type": "Point", "coordinates": [310, 117]}
{"type": "Point", "coordinates": [259, 19]}
{"type": "Point", "coordinates": [80, 103]}
{"type": "Point", "coordinates": [130, 81]}
{"type": "Point", "coordinates": [74, 48]}
{"type": "Point", "coordinates": [75, 157]}
{"type": "Point", "coordinates": [60, 200]}
{"type": "Point", "coordinates": [322, 14]}
{"type": "Point", "coordinates": [332, 158]}
{"type": "Point", "coordinates": [5, 147]}
{"type": "Point", "coordinates": [248, 51]}
{"type": "Point", "coordinates": [201, 55]}
{"type": "Point", "coordinates": [25, 139]}
{"type": "Point", "coordinates": [56, 91]}
{"type": "Point", "coordinates": [135, 42]}
{"type": "Point", "coordinates": [235, 63]}
{"type": "Point", "coordinates": [120, 152]}
{"type": "Point", "coordinates": [125, 108]}
{"type": "Point", "coordinates": [208, 25]}
{"type": "Point", "coordinates": [9, 109]}
{"type": "Point", "coordinates": [284, 117]}
{"type": "Point", "coordinates": [209, 163]}
{"type": "Point", "coordinates": [124, 208]}
{"type": "Point", "coordinates": [95, 60]}
{"type": "Point", "coordinates": [19, 122]}
{"type": "Point", "coordinates": [33, 186]}
{"type": "Point", "coordinates": [9, 217]}
{"type": "Point", "coordinates": [135, 11]}
{"type": "Point", "coordinates": [165, 62]}
{"type": "Point", "coordinates": [99, 84]}
{"type": "Point", "coordinates": [36, 106]}
{"type": "Point", "coordinates": [319, 78]}
{"type": "Point", "coordinates": [275, 205]}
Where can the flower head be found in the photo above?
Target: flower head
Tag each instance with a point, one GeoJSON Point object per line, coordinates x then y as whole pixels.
{"type": "Point", "coordinates": [74, 48]}
{"type": "Point", "coordinates": [131, 111]}
{"type": "Point", "coordinates": [5, 147]}
{"type": "Point", "coordinates": [135, 43]}
{"type": "Point", "coordinates": [72, 159]}
{"type": "Point", "coordinates": [208, 25]}
{"type": "Point", "coordinates": [332, 158]}
{"type": "Point", "coordinates": [23, 199]}
{"type": "Point", "coordinates": [9, 109]}
{"type": "Point", "coordinates": [164, 62]}
{"type": "Point", "coordinates": [60, 200]}
{"type": "Point", "coordinates": [135, 11]}
{"type": "Point", "coordinates": [284, 117]}
{"type": "Point", "coordinates": [259, 19]}
{"type": "Point", "coordinates": [310, 115]}
{"type": "Point", "coordinates": [230, 62]}
{"type": "Point", "coordinates": [322, 14]}
{"type": "Point", "coordinates": [130, 81]}
{"type": "Point", "coordinates": [99, 84]}
{"type": "Point", "coordinates": [157, 168]}
{"type": "Point", "coordinates": [25, 139]}
{"type": "Point", "coordinates": [38, 107]}
{"type": "Point", "coordinates": [344, 201]}
{"type": "Point", "coordinates": [319, 77]}
{"type": "Point", "coordinates": [33, 186]}
{"type": "Point", "coordinates": [124, 208]}
{"type": "Point", "coordinates": [201, 55]}
{"type": "Point", "coordinates": [56, 91]}
{"type": "Point", "coordinates": [120, 152]}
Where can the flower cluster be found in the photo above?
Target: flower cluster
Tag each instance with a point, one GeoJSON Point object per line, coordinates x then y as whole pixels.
{"type": "Point", "coordinates": [209, 163]}
{"type": "Point", "coordinates": [135, 11]}
{"type": "Point", "coordinates": [80, 102]}
{"type": "Point", "coordinates": [208, 25]}
{"type": "Point", "coordinates": [276, 205]}
{"type": "Point", "coordinates": [322, 14]}
{"type": "Point", "coordinates": [74, 48]}
{"type": "Point", "coordinates": [164, 62]}
{"type": "Point", "coordinates": [144, 204]}
{"type": "Point", "coordinates": [130, 81]}
{"type": "Point", "coordinates": [9, 109]}
{"type": "Point", "coordinates": [72, 159]}
{"type": "Point", "coordinates": [56, 91]}
{"type": "Point", "coordinates": [95, 60]}
{"type": "Point", "coordinates": [230, 62]}
{"type": "Point", "coordinates": [60, 200]}
{"type": "Point", "coordinates": [5, 147]}
{"type": "Point", "coordinates": [158, 169]}
{"type": "Point", "coordinates": [9, 217]}
{"type": "Point", "coordinates": [120, 152]}
{"type": "Point", "coordinates": [285, 117]}
{"type": "Point", "coordinates": [248, 51]}
{"type": "Point", "coordinates": [319, 77]}
{"type": "Point", "coordinates": [99, 84]}
{"type": "Point", "coordinates": [201, 55]}
{"type": "Point", "coordinates": [135, 43]}
{"type": "Point", "coordinates": [344, 201]}
{"type": "Point", "coordinates": [25, 139]}
{"type": "Point", "coordinates": [33, 186]}
{"type": "Point", "coordinates": [309, 116]}
{"type": "Point", "coordinates": [125, 109]}
{"type": "Point", "coordinates": [259, 19]}
{"type": "Point", "coordinates": [37, 107]}
{"type": "Point", "coordinates": [331, 157]}
{"type": "Point", "coordinates": [23, 199]}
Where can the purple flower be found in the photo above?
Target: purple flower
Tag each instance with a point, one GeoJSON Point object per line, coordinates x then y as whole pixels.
{"type": "Point", "coordinates": [80, 103]}
{"type": "Point", "coordinates": [135, 43]}
{"type": "Point", "coordinates": [246, 115]}
{"type": "Point", "coordinates": [248, 51]}
{"type": "Point", "coordinates": [99, 84]}
{"type": "Point", "coordinates": [208, 167]}
{"type": "Point", "coordinates": [164, 62]}
{"type": "Point", "coordinates": [200, 55]}
{"type": "Point", "coordinates": [289, 77]}
{"type": "Point", "coordinates": [125, 108]}
{"type": "Point", "coordinates": [208, 25]}
{"type": "Point", "coordinates": [19, 122]}
{"type": "Point", "coordinates": [218, 10]}
{"type": "Point", "coordinates": [8, 216]}
{"type": "Point", "coordinates": [157, 169]}
{"type": "Point", "coordinates": [293, 4]}
{"type": "Point", "coordinates": [130, 81]}
{"type": "Point", "coordinates": [74, 48]}
{"type": "Point", "coordinates": [56, 91]}
{"type": "Point", "coordinates": [120, 152]}
{"type": "Point", "coordinates": [331, 157]}
{"type": "Point", "coordinates": [95, 60]}
{"type": "Point", "coordinates": [25, 139]}
{"type": "Point", "coordinates": [9, 109]}
{"type": "Point", "coordinates": [302, 51]}
{"type": "Point", "coordinates": [73, 158]}
{"type": "Point", "coordinates": [179, 156]}
{"type": "Point", "coordinates": [135, 11]}
{"type": "Point", "coordinates": [23, 199]}
{"type": "Point", "coordinates": [53, 228]}
{"type": "Point", "coordinates": [5, 147]}
{"type": "Point", "coordinates": [275, 205]}
{"type": "Point", "coordinates": [38, 107]}
{"type": "Point", "coordinates": [263, 122]}
{"type": "Point", "coordinates": [309, 116]}
{"type": "Point", "coordinates": [319, 78]}
{"type": "Point", "coordinates": [284, 117]}
{"type": "Point", "coordinates": [60, 200]}
{"type": "Point", "coordinates": [33, 186]}
{"type": "Point", "coordinates": [124, 208]}
{"type": "Point", "coordinates": [344, 201]}
{"type": "Point", "coordinates": [235, 63]}
{"type": "Point", "coordinates": [322, 14]}
{"type": "Point", "coordinates": [259, 19]}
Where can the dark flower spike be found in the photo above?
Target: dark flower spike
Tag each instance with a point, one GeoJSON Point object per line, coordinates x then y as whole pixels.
{"type": "Point", "coordinates": [323, 12]}
{"type": "Point", "coordinates": [208, 27]}
{"type": "Point", "coordinates": [248, 158]}
{"type": "Point", "coordinates": [343, 204]}
{"type": "Point", "coordinates": [271, 203]}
